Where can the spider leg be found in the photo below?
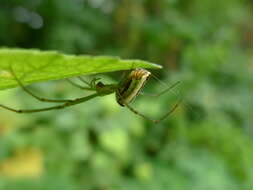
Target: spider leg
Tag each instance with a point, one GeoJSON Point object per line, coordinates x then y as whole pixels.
{"type": "Point", "coordinates": [79, 86]}
{"type": "Point", "coordinates": [66, 104]}
{"type": "Point", "coordinates": [91, 84]}
{"type": "Point", "coordinates": [154, 120]}
{"type": "Point", "coordinates": [32, 94]}
{"type": "Point", "coordinates": [162, 92]}
{"type": "Point", "coordinates": [84, 81]}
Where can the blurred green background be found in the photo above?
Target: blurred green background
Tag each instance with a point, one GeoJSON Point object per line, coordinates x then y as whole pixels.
{"type": "Point", "coordinates": [206, 144]}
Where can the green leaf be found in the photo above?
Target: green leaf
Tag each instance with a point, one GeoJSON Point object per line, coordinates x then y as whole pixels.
{"type": "Point", "coordinates": [32, 66]}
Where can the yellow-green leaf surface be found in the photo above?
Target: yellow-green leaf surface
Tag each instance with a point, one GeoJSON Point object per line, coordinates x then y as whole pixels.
{"type": "Point", "coordinates": [32, 66]}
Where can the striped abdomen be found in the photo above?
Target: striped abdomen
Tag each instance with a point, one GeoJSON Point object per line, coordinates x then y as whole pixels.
{"type": "Point", "coordinates": [130, 86]}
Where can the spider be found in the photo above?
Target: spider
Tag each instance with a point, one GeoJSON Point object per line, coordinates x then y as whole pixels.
{"type": "Point", "coordinates": [126, 91]}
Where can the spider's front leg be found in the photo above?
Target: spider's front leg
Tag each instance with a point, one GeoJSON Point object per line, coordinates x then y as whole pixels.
{"type": "Point", "coordinates": [66, 104]}
{"type": "Point", "coordinates": [32, 94]}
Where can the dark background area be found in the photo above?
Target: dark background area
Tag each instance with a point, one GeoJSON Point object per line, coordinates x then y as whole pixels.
{"type": "Point", "coordinates": [205, 144]}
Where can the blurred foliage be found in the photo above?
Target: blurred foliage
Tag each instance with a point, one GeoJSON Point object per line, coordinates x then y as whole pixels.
{"type": "Point", "coordinates": [205, 144]}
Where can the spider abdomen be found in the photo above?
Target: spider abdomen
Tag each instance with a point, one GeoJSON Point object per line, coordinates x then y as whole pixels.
{"type": "Point", "coordinates": [130, 86]}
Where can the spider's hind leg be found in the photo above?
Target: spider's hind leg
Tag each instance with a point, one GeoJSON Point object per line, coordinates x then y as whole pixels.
{"type": "Point", "coordinates": [154, 120]}
{"type": "Point", "coordinates": [162, 92]}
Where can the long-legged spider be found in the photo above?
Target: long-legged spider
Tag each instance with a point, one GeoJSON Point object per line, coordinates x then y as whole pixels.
{"type": "Point", "coordinates": [126, 91]}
